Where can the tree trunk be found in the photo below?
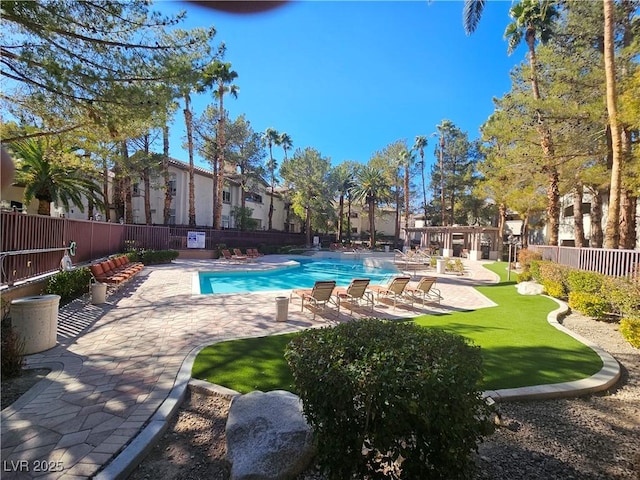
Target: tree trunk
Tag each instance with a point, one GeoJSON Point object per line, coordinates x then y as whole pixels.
{"type": "Point", "coordinates": [524, 234]}
{"type": "Point", "coordinates": [596, 219]}
{"type": "Point", "coordinates": [188, 120]}
{"type": "Point", "coordinates": [424, 187]}
{"type": "Point", "coordinates": [578, 224]}
{"type": "Point", "coordinates": [612, 237]}
{"type": "Point", "coordinates": [444, 215]}
{"type": "Point", "coordinates": [146, 181]}
{"type": "Point", "coordinates": [407, 241]}
{"type": "Point", "coordinates": [126, 186]}
{"type": "Point", "coordinates": [221, 147]}
{"type": "Point", "coordinates": [372, 223]}
{"type": "Point", "coordinates": [166, 211]}
{"type": "Point", "coordinates": [340, 217]}
{"type": "Point", "coordinates": [44, 207]}
{"type": "Point", "coordinates": [628, 233]}
{"type": "Point", "coordinates": [105, 190]}
{"type": "Point", "coordinates": [502, 220]}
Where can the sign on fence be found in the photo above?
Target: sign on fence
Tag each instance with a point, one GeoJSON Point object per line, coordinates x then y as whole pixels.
{"type": "Point", "coordinates": [195, 239]}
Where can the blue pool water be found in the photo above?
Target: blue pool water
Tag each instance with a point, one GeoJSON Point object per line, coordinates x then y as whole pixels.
{"type": "Point", "coordinates": [287, 278]}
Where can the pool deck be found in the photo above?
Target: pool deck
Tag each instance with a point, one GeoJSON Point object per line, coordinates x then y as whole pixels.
{"type": "Point", "coordinates": [121, 369]}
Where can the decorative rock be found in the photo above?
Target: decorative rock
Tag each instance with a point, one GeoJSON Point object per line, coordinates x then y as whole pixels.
{"type": "Point", "coordinates": [529, 288]}
{"type": "Point", "coordinates": [268, 437]}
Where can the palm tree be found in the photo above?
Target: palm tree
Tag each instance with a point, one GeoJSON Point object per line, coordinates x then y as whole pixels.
{"type": "Point", "coordinates": [53, 175]}
{"type": "Point", "coordinates": [371, 188]}
{"type": "Point", "coordinates": [612, 232]}
{"type": "Point", "coordinates": [344, 182]}
{"type": "Point", "coordinates": [222, 76]}
{"type": "Point", "coordinates": [285, 142]}
{"type": "Point", "coordinates": [471, 14]}
{"type": "Point", "coordinates": [406, 157]}
{"type": "Point", "coordinates": [271, 137]}
{"type": "Point", "coordinates": [533, 19]}
{"type": "Point", "coordinates": [419, 145]}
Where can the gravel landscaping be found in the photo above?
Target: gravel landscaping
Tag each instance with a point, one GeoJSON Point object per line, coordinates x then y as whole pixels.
{"type": "Point", "coordinates": [596, 437]}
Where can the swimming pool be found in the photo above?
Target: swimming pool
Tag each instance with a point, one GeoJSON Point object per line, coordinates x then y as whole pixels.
{"type": "Point", "coordinates": [302, 275]}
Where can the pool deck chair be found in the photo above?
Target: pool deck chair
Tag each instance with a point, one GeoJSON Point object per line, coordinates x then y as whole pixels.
{"type": "Point", "coordinates": [354, 295]}
{"type": "Point", "coordinates": [317, 297]}
{"type": "Point", "coordinates": [228, 256]}
{"type": "Point", "coordinates": [394, 290]}
{"type": "Point", "coordinates": [425, 291]}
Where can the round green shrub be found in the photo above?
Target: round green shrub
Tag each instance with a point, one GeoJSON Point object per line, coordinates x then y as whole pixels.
{"type": "Point", "coordinates": [379, 394]}
{"type": "Point", "coordinates": [554, 288]}
{"type": "Point", "coordinates": [630, 330]}
{"type": "Point", "coordinates": [623, 295]}
{"type": "Point", "coordinates": [588, 282]}
{"type": "Point", "coordinates": [590, 304]}
{"type": "Point", "coordinates": [69, 284]}
{"type": "Point", "coordinates": [524, 276]}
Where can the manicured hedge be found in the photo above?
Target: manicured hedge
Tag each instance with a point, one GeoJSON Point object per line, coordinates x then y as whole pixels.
{"type": "Point", "coordinates": [376, 391]}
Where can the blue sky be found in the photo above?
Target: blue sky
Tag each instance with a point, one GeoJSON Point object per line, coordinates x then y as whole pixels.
{"type": "Point", "coordinates": [349, 78]}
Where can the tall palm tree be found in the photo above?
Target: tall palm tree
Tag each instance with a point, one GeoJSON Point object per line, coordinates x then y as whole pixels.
{"type": "Point", "coordinates": [533, 20]}
{"type": "Point", "coordinates": [406, 157]}
{"type": "Point", "coordinates": [285, 142]}
{"type": "Point", "coordinates": [188, 121]}
{"type": "Point", "coordinates": [53, 175]}
{"type": "Point", "coordinates": [344, 183]}
{"type": "Point", "coordinates": [221, 75]}
{"type": "Point", "coordinates": [371, 188]}
{"type": "Point", "coordinates": [271, 137]}
{"type": "Point", "coordinates": [612, 232]}
{"type": "Point", "coordinates": [419, 145]}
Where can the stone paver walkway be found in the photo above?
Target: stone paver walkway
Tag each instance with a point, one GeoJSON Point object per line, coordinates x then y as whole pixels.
{"type": "Point", "coordinates": [120, 369]}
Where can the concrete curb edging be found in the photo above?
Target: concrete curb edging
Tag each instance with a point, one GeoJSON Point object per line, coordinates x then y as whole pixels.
{"type": "Point", "coordinates": [608, 375]}
{"type": "Point", "coordinates": [129, 458]}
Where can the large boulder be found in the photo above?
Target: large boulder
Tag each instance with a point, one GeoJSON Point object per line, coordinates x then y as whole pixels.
{"type": "Point", "coordinates": [268, 437]}
{"type": "Point", "coordinates": [530, 288]}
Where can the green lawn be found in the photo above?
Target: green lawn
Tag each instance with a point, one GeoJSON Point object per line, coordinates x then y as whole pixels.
{"type": "Point", "coordinates": [519, 347]}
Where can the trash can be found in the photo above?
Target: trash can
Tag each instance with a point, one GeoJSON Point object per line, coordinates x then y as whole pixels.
{"type": "Point", "coordinates": [282, 309]}
{"type": "Point", "coordinates": [386, 249]}
{"type": "Point", "coordinates": [98, 293]}
{"type": "Point", "coordinates": [35, 321]}
{"type": "Point", "coordinates": [441, 265]}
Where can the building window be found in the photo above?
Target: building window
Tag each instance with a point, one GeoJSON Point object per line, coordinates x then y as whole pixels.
{"type": "Point", "coordinates": [172, 216]}
{"type": "Point", "coordinates": [135, 189]}
{"type": "Point", "coordinates": [225, 221]}
{"type": "Point", "coordinates": [354, 230]}
{"type": "Point", "coordinates": [172, 187]}
{"type": "Point", "coordinates": [354, 215]}
{"type": "Point", "coordinates": [253, 197]}
{"type": "Point", "coordinates": [226, 196]}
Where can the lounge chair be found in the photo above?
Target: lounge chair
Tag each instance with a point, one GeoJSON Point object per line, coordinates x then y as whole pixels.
{"type": "Point", "coordinates": [238, 255]}
{"type": "Point", "coordinates": [394, 289]}
{"type": "Point", "coordinates": [318, 296]}
{"type": "Point", "coordinates": [228, 256]}
{"type": "Point", "coordinates": [425, 291]}
{"type": "Point", "coordinates": [354, 295]}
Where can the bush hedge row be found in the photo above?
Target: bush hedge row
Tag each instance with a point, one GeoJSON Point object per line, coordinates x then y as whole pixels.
{"type": "Point", "coordinates": [591, 293]}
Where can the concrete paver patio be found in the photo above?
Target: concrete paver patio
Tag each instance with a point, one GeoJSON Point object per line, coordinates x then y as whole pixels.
{"type": "Point", "coordinates": [120, 369]}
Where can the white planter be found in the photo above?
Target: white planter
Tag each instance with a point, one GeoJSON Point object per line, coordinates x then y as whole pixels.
{"type": "Point", "coordinates": [282, 309]}
{"type": "Point", "coordinates": [35, 321]}
{"type": "Point", "coordinates": [98, 293]}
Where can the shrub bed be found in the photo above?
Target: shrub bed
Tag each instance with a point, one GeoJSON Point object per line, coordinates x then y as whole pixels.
{"type": "Point", "coordinates": [70, 284]}
{"type": "Point", "coordinates": [153, 257]}
{"type": "Point", "coordinates": [387, 397]}
{"type": "Point", "coordinates": [630, 329]}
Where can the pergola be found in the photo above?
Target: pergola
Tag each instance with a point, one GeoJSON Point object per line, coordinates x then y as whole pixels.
{"type": "Point", "coordinates": [474, 238]}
